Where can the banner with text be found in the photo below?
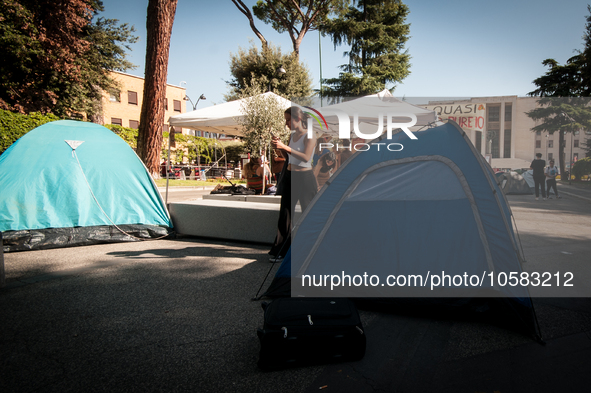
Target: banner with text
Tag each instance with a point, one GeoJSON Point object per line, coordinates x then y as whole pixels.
{"type": "Point", "coordinates": [468, 116]}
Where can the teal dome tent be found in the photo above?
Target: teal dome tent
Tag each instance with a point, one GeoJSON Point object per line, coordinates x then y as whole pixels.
{"type": "Point", "coordinates": [69, 183]}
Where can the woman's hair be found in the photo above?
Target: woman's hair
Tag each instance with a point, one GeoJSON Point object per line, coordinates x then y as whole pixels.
{"type": "Point", "coordinates": [328, 156]}
{"type": "Point", "coordinates": [250, 167]}
{"type": "Point", "coordinates": [297, 113]}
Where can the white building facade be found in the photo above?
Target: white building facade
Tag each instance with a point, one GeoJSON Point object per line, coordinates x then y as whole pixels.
{"type": "Point", "coordinates": [502, 132]}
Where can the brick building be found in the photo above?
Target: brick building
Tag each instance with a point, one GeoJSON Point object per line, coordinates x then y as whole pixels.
{"type": "Point", "coordinates": [123, 107]}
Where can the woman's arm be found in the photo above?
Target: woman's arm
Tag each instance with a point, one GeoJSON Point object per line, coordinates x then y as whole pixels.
{"type": "Point", "coordinates": [261, 169]}
{"type": "Point", "coordinates": [309, 144]}
{"type": "Point", "coordinates": [316, 169]}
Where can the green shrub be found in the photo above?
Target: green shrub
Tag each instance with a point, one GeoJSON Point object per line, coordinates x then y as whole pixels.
{"type": "Point", "coordinates": [15, 125]}
{"type": "Point", "coordinates": [582, 168]}
{"type": "Point", "coordinates": [129, 135]}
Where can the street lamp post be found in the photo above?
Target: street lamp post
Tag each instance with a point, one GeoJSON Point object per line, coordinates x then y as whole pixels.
{"type": "Point", "coordinates": [201, 97]}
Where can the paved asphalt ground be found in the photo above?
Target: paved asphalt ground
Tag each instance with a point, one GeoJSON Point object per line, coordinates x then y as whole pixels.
{"type": "Point", "coordinates": [176, 316]}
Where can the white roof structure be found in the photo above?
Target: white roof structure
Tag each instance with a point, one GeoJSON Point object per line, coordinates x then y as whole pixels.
{"type": "Point", "coordinates": [221, 119]}
{"type": "Point", "coordinates": [369, 107]}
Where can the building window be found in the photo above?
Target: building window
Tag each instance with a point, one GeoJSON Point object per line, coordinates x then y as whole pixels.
{"type": "Point", "coordinates": [550, 144]}
{"type": "Point", "coordinates": [166, 104]}
{"type": "Point", "coordinates": [576, 143]}
{"type": "Point", "coordinates": [115, 96]}
{"type": "Point", "coordinates": [538, 132]}
{"type": "Point", "coordinates": [550, 156]}
{"type": "Point", "coordinates": [132, 97]}
{"type": "Point", "coordinates": [116, 121]}
{"type": "Point", "coordinates": [507, 143]}
{"type": "Point", "coordinates": [538, 144]}
{"type": "Point", "coordinates": [493, 143]}
{"type": "Point", "coordinates": [134, 124]}
{"type": "Point", "coordinates": [494, 113]}
{"type": "Point", "coordinates": [508, 115]}
{"type": "Point", "coordinates": [478, 141]}
{"type": "Point", "coordinates": [176, 105]}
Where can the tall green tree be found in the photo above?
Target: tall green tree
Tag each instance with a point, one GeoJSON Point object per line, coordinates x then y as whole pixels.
{"type": "Point", "coordinates": [55, 58]}
{"type": "Point", "coordinates": [289, 16]}
{"type": "Point", "coordinates": [563, 88]}
{"type": "Point", "coordinates": [159, 23]}
{"type": "Point", "coordinates": [376, 32]}
{"type": "Point", "coordinates": [561, 115]}
{"type": "Point", "coordinates": [572, 79]}
{"type": "Point", "coordinates": [297, 17]}
{"type": "Point", "coordinates": [259, 67]}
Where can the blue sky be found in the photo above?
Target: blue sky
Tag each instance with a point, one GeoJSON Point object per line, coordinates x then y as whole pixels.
{"type": "Point", "coordinates": [458, 48]}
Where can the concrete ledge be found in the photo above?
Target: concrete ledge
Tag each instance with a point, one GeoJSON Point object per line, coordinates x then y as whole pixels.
{"type": "Point", "coordinates": [244, 198]}
{"type": "Point", "coordinates": [226, 219]}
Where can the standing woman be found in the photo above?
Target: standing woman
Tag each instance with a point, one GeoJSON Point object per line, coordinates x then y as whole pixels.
{"type": "Point", "coordinates": [299, 182]}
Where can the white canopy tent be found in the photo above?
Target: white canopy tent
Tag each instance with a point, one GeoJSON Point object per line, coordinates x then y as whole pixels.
{"type": "Point", "coordinates": [369, 107]}
{"type": "Point", "coordinates": [221, 119]}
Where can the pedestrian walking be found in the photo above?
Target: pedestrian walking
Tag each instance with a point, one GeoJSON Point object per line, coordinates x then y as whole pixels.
{"type": "Point", "coordinates": [551, 172]}
{"type": "Point", "coordinates": [538, 166]}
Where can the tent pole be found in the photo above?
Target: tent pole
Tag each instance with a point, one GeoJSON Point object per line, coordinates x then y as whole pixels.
{"type": "Point", "coordinates": [168, 166]}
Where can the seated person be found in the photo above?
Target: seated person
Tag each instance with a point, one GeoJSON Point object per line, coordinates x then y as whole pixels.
{"type": "Point", "coordinates": [254, 171]}
{"type": "Point", "coordinates": [323, 171]}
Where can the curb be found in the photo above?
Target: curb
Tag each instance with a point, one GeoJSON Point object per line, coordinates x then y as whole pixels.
{"type": "Point", "coordinates": [179, 188]}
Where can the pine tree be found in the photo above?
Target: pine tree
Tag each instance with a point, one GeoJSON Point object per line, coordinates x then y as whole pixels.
{"type": "Point", "coordinates": [377, 32]}
{"type": "Point", "coordinates": [562, 115]}
{"type": "Point", "coordinates": [297, 17]}
{"type": "Point", "coordinates": [294, 17]}
{"type": "Point", "coordinates": [563, 89]}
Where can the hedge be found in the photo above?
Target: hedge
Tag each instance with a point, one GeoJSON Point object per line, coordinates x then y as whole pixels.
{"type": "Point", "coordinates": [14, 125]}
{"type": "Point", "coordinates": [582, 168]}
{"type": "Point", "coordinates": [129, 135]}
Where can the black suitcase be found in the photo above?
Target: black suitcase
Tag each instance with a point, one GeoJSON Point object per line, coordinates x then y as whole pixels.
{"type": "Point", "coordinates": [304, 331]}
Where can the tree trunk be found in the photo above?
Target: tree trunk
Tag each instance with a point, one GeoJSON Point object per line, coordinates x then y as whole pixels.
{"type": "Point", "coordinates": [159, 29]}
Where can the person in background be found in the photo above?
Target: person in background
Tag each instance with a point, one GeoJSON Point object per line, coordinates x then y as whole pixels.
{"type": "Point", "coordinates": [277, 164]}
{"type": "Point", "coordinates": [346, 152]}
{"type": "Point", "coordinates": [298, 182]}
{"type": "Point", "coordinates": [323, 170]}
{"type": "Point", "coordinates": [320, 151]}
{"type": "Point", "coordinates": [537, 166]}
{"type": "Point", "coordinates": [254, 171]}
{"type": "Point", "coordinates": [551, 172]}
